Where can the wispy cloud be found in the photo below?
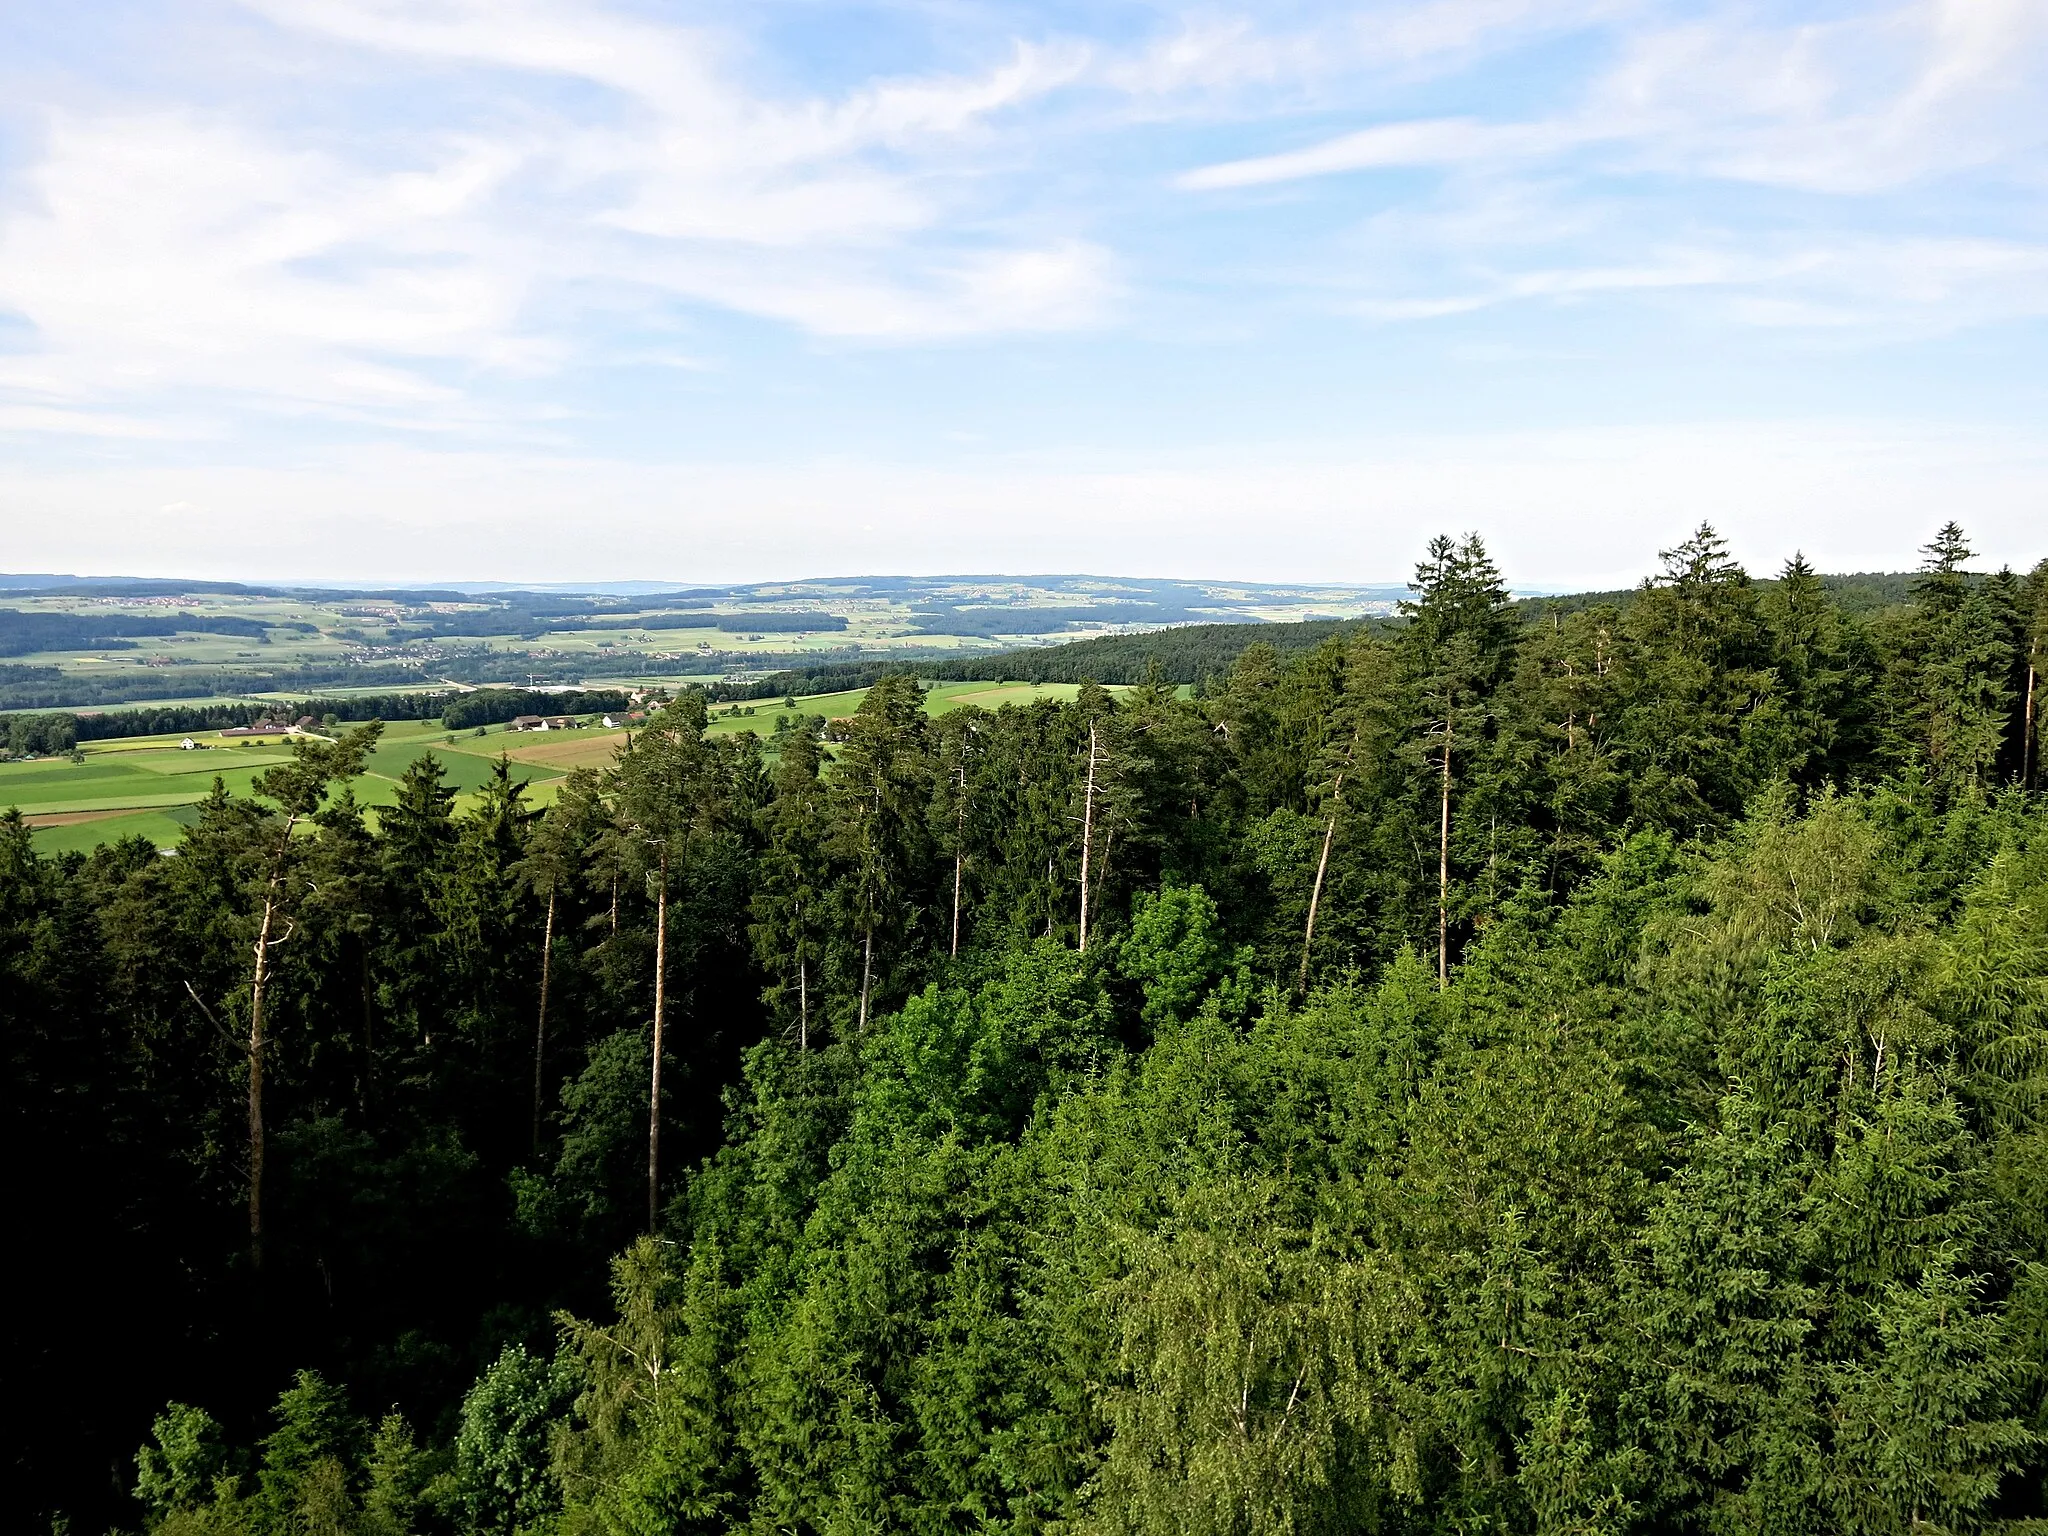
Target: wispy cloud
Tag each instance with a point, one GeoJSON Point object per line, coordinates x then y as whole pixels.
{"type": "Point", "coordinates": [1664, 169]}
{"type": "Point", "coordinates": [483, 222]}
{"type": "Point", "coordinates": [1431, 142]}
{"type": "Point", "coordinates": [1850, 105]}
{"type": "Point", "coordinates": [169, 245]}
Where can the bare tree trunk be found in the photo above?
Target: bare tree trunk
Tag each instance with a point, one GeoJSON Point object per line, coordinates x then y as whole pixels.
{"type": "Point", "coordinates": [803, 1001]}
{"type": "Point", "coordinates": [959, 857]}
{"type": "Point", "coordinates": [256, 1078]}
{"type": "Point", "coordinates": [1443, 872]}
{"type": "Point", "coordinates": [540, 1028]}
{"type": "Point", "coordinates": [1087, 835]}
{"type": "Point", "coordinates": [867, 971]}
{"type": "Point", "coordinates": [2027, 735]}
{"type": "Point", "coordinates": [1315, 897]}
{"type": "Point", "coordinates": [654, 1088]}
{"type": "Point", "coordinates": [256, 1042]}
{"type": "Point", "coordinates": [615, 906]}
{"type": "Point", "coordinates": [957, 860]}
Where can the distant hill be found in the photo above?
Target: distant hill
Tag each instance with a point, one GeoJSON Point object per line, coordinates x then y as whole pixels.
{"type": "Point", "coordinates": [1191, 653]}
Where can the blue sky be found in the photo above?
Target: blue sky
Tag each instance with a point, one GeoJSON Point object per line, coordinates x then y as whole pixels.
{"type": "Point", "coordinates": [538, 290]}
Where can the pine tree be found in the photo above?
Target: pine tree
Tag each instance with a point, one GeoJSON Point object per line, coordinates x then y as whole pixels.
{"type": "Point", "coordinates": [298, 788]}
{"type": "Point", "coordinates": [879, 790]}
{"type": "Point", "coordinates": [553, 858]}
{"type": "Point", "coordinates": [668, 805]}
{"type": "Point", "coordinates": [793, 884]}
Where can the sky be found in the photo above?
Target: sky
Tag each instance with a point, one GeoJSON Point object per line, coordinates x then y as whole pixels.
{"type": "Point", "coordinates": [533, 290]}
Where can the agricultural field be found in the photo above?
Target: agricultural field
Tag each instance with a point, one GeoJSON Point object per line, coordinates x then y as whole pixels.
{"type": "Point", "coordinates": [149, 786]}
{"type": "Point", "coordinates": [103, 644]}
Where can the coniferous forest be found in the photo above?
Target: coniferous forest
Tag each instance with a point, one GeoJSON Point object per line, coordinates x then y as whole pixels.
{"type": "Point", "coordinates": [1549, 1069]}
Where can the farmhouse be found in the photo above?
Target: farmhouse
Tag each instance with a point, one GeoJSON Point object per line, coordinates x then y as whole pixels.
{"type": "Point", "coordinates": [271, 727]}
{"type": "Point", "coordinates": [528, 723]}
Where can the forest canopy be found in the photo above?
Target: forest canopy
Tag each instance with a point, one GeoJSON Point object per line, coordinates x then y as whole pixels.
{"type": "Point", "coordinates": [1508, 1069]}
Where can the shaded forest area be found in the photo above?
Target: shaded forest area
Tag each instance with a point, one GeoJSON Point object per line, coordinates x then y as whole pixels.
{"type": "Point", "coordinates": [1509, 1070]}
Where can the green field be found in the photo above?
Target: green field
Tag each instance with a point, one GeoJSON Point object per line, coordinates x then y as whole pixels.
{"type": "Point", "coordinates": [147, 786]}
{"type": "Point", "coordinates": [71, 649]}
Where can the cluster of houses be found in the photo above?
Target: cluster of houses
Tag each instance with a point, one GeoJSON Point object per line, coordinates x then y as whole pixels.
{"type": "Point", "coordinates": [278, 727]}
{"type": "Point", "coordinates": [306, 723]}
{"type": "Point", "coordinates": [570, 722]}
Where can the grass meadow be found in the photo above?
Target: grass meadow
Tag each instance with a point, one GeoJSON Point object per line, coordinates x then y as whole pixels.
{"type": "Point", "coordinates": [149, 786]}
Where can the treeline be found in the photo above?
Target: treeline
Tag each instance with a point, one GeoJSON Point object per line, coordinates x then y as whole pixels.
{"type": "Point", "coordinates": [1465, 1075]}
{"type": "Point", "coordinates": [24, 631]}
{"type": "Point", "coordinates": [531, 625]}
{"type": "Point", "coordinates": [19, 585]}
{"type": "Point", "coordinates": [59, 731]}
{"type": "Point", "coordinates": [49, 688]}
{"type": "Point", "coordinates": [495, 706]}
{"type": "Point", "coordinates": [964, 619]}
{"type": "Point", "coordinates": [1186, 654]}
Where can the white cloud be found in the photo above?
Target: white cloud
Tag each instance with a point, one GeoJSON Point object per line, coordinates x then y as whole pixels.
{"type": "Point", "coordinates": [420, 217]}
{"type": "Point", "coordinates": [1859, 104]}
{"type": "Point", "coordinates": [1440, 141]}
{"type": "Point", "coordinates": [165, 247]}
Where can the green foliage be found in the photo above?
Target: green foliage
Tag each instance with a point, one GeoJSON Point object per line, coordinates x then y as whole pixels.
{"type": "Point", "coordinates": [1175, 953]}
{"type": "Point", "coordinates": [179, 1471]}
{"type": "Point", "coordinates": [503, 1482]}
{"type": "Point", "coordinates": [306, 1469]}
{"type": "Point", "coordinates": [396, 1480]}
{"type": "Point", "coordinates": [1648, 1136]}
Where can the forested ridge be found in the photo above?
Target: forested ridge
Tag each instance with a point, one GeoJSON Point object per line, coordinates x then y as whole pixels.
{"type": "Point", "coordinates": [1504, 1071]}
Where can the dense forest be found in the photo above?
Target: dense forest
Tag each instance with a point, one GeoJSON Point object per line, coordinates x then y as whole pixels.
{"type": "Point", "coordinates": [1513, 1069]}
{"type": "Point", "coordinates": [1184, 653]}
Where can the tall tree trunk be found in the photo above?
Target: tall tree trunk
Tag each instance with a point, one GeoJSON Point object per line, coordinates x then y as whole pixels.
{"type": "Point", "coordinates": [2027, 733]}
{"type": "Point", "coordinates": [540, 1028]}
{"type": "Point", "coordinates": [959, 856]}
{"type": "Point", "coordinates": [803, 1002]}
{"type": "Point", "coordinates": [1315, 895]}
{"type": "Point", "coordinates": [256, 1078]}
{"type": "Point", "coordinates": [1443, 871]}
{"type": "Point", "coordinates": [957, 861]}
{"type": "Point", "coordinates": [271, 895]}
{"type": "Point", "coordinates": [654, 1086]}
{"type": "Point", "coordinates": [867, 971]}
{"type": "Point", "coordinates": [1087, 834]}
